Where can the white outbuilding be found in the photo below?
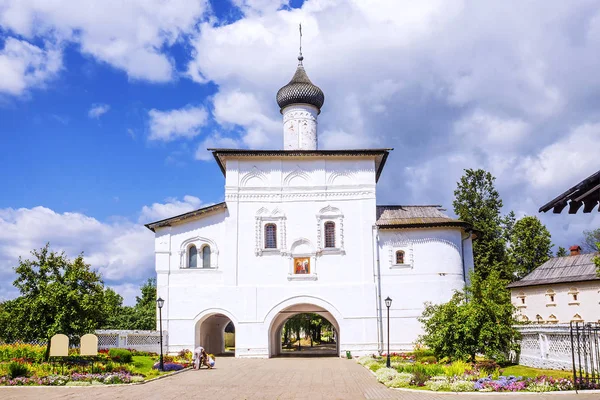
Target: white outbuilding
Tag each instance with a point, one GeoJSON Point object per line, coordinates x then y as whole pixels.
{"type": "Point", "coordinates": [300, 231]}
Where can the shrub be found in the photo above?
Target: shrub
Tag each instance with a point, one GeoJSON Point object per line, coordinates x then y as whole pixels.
{"type": "Point", "coordinates": [487, 366]}
{"type": "Point", "coordinates": [16, 370]}
{"type": "Point", "coordinates": [428, 359]}
{"type": "Point", "coordinates": [419, 378]}
{"type": "Point", "coordinates": [185, 354]}
{"type": "Point", "coordinates": [421, 353]}
{"type": "Point", "coordinates": [120, 355]}
{"type": "Point", "coordinates": [456, 369]}
{"type": "Point", "coordinates": [386, 374]}
{"type": "Point", "coordinates": [426, 369]}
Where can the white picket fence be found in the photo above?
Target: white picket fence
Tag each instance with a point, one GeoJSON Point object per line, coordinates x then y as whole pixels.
{"type": "Point", "coordinates": [546, 346]}
{"type": "Point", "coordinates": [136, 340]}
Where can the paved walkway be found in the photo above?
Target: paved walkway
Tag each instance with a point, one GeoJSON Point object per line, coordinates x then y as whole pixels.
{"type": "Point", "coordinates": [279, 378]}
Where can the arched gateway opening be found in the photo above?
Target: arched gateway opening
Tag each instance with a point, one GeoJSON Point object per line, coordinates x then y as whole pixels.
{"type": "Point", "coordinates": [301, 321]}
{"type": "Point", "coordinates": [216, 333]}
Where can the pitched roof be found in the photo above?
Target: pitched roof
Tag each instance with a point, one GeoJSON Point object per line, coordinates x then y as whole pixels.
{"type": "Point", "coordinates": [586, 193]}
{"type": "Point", "coordinates": [201, 211]}
{"type": "Point", "coordinates": [399, 216]}
{"type": "Point", "coordinates": [380, 155]}
{"type": "Point", "coordinates": [561, 270]}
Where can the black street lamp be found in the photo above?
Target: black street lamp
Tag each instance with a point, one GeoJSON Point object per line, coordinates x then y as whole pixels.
{"type": "Point", "coordinates": [160, 303]}
{"type": "Point", "coordinates": [388, 304]}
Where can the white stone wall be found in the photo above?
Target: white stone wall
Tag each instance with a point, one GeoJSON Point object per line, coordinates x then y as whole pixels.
{"type": "Point", "coordinates": [546, 346]}
{"type": "Point", "coordinates": [564, 307]}
{"type": "Point", "coordinates": [251, 285]}
{"type": "Point", "coordinates": [300, 127]}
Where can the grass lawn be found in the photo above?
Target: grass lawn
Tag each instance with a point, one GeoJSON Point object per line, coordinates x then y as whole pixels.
{"type": "Point", "coordinates": [143, 365]}
{"type": "Point", "coordinates": [529, 372]}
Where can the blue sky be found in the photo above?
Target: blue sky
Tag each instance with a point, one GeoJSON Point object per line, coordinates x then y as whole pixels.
{"type": "Point", "coordinates": [106, 108]}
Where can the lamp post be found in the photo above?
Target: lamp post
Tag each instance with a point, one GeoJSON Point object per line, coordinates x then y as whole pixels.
{"type": "Point", "coordinates": [388, 304]}
{"type": "Point", "coordinates": [160, 303]}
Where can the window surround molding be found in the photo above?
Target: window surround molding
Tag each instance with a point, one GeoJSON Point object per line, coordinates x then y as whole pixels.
{"type": "Point", "coordinates": [330, 214]}
{"type": "Point", "coordinates": [577, 318]}
{"type": "Point", "coordinates": [550, 298]}
{"type": "Point", "coordinates": [552, 319]}
{"type": "Point", "coordinates": [573, 296]}
{"type": "Point", "coordinates": [302, 247]}
{"type": "Point", "coordinates": [200, 243]}
{"type": "Point", "coordinates": [400, 242]}
{"type": "Point", "coordinates": [521, 300]}
{"type": "Point", "coordinates": [264, 217]}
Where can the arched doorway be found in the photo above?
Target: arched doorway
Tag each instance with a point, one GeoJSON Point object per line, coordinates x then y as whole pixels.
{"type": "Point", "coordinates": [328, 346]}
{"type": "Point", "coordinates": [216, 333]}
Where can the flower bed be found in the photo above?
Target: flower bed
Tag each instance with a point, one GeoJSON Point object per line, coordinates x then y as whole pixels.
{"type": "Point", "coordinates": [22, 364]}
{"type": "Point", "coordinates": [487, 376]}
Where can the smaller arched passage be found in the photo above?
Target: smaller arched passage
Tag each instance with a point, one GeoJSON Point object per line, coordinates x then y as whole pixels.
{"type": "Point", "coordinates": [216, 333]}
{"type": "Point", "coordinates": [278, 322]}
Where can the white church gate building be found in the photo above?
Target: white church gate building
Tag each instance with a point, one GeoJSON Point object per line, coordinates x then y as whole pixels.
{"type": "Point", "coordinates": [300, 231]}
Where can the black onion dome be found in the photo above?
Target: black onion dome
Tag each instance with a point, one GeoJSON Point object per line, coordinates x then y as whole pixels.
{"type": "Point", "coordinates": [300, 90]}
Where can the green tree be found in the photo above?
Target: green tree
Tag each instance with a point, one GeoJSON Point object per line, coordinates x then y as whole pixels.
{"type": "Point", "coordinates": [562, 252]}
{"type": "Point", "coordinates": [597, 259]}
{"type": "Point", "coordinates": [141, 316]}
{"type": "Point", "coordinates": [530, 246]}
{"type": "Point", "coordinates": [145, 306]}
{"type": "Point", "coordinates": [477, 202]}
{"type": "Point", "coordinates": [477, 320]}
{"type": "Point", "coordinates": [57, 296]}
{"type": "Point", "coordinates": [590, 239]}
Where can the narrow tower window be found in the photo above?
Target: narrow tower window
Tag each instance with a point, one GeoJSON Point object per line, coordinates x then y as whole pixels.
{"type": "Point", "coordinates": [206, 256]}
{"type": "Point", "coordinates": [329, 234]}
{"type": "Point", "coordinates": [399, 257]}
{"type": "Point", "coordinates": [270, 236]}
{"type": "Point", "coordinates": [193, 257]}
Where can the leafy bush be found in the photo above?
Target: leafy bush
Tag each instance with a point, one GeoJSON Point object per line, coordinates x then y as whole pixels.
{"type": "Point", "coordinates": [426, 369]}
{"type": "Point", "coordinates": [17, 369]}
{"type": "Point", "coordinates": [386, 374]}
{"type": "Point", "coordinates": [120, 355]}
{"type": "Point", "coordinates": [419, 378]}
{"type": "Point", "coordinates": [456, 369]}
{"type": "Point", "coordinates": [487, 366]}
{"type": "Point", "coordinates": [185, 354]}
{"type": "Point", "coordinates": [421, 352]}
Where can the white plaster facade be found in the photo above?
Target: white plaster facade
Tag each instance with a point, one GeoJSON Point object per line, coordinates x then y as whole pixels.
{"type": "Point", "coordinates": [251, 285]}
{"type": "Point", "coordinates": [558, 303]}
{"type": "Point", "coordinates": [301, 191]}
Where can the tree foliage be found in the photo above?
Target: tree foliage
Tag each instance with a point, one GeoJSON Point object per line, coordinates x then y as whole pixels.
{"type": "Point", "coordinates": [590, 240]}
{"type": "Point", "coordinates": [477, 202]}
{"type": "Point", "coordinates": [311, 326]}
{"type": "Point", "coordinates": [530, 246]}
{"type": "Point", "coordinates": [562, 252]}
{"type": "Point", "coordinates": [141, 316]}
{"type": "Point", "coordinates": [477, 320]}
{"type": "Point", "coordinates": [57, 296]}
{"type": "Point", "coordinates": [597, 259]}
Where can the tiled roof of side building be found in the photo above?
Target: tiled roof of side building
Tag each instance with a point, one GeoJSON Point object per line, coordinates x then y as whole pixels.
{"type": "Point", "coordinates": [566, 269]}
{"type": "Point", "coordinates": [192, 214]}
{"type": "Point", "coordinates": [403, 216]}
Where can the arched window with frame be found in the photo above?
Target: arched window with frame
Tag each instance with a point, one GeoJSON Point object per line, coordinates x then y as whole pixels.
{"type": "Point", "coordinates": [270, 236]}
{"type": "Point", "coordinates": [329, 234]}
{"type": "Point", "coordinates": [206, 256]}
{"type": "Point", "coordinates": [399, 257]}
{"type": "Point", "coordinates": [192, 257]}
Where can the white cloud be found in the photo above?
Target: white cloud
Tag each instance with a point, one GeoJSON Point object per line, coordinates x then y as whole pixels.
{"type": "Point", "coordinates": [172, 207]}
{"type": "Point", "coordinates": [97, 110]}
{"type": "Point", "coordinates": [118, 250]}
{"type": "Point", "coordinates": [24, 66]}
{"type": "Point", "coordinates": [214, 141]}
{"type": "Point", "coordinates": [121, 250]}
{"type": "Point", "coordinates": [184, 122]}
{"type": "Point", "coordinates": [129, 35]}
{"type": "Point", "coordinates": [564, 162]}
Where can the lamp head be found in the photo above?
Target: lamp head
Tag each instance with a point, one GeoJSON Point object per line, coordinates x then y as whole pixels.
{"type": "Point", "coordinates": [388, 302]}
{"type": "Point", "coordinates": [160, 302]}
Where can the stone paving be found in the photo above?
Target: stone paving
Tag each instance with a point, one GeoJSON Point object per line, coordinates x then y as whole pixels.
{"type": "Point", "coordinates": [279, 378]}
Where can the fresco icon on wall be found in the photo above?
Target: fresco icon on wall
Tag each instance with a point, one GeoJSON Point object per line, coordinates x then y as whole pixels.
{"type": "Point", "coordinates": [302, 265]}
